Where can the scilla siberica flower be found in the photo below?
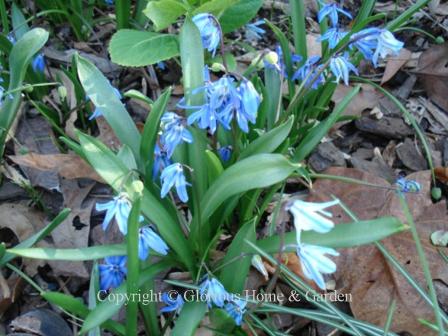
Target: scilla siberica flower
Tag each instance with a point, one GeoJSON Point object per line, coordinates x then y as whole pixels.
{"type": "Point", "coordinates": [173, 176]}
{"type": "Point", "coordinates": [209, 30]}
{"type": "Point", "coordinates": [332, 10]}
{"type": "Point", "coordinates": [311, 73]}
{"type": "Point", "coordinates": [225, 153]}
{"type": "Point", "coordinates": [119, 208]}
{"type": "Point", "coordinates": [38, 63]}
{"type": "Point", "coordinates": [236, 309]}
{"type": "Point", "coordinates": [112, 272]}
{"type": "Point", "coordinates": [246, 107]}
{"type": "Point", "coordinates": [408, 186]}
{"type": "Point", "coordinates": [172, 304]}
{"type": "Point", "coordinates": [174, 132]}
{"type": "Point", "coordinates": [214, 292]}
{"type": "Point", "coordinates": [149, 240]}
{"type": "Point", "coordinates": [387, 45]}
{"type": "Point", "coordinates": [340, 66]}
{"type": "Point", "coordinates": [310, 216]}
{"type": "Point", "coordinates": [253, 31]}
{"type": "Point", "coordinates": [98, 113]}
{"type": "Point", "coordinates": [314, 262]}
{"type": "Point", "coordinates": [161, 161]}
{"type": "Point", "coordinates": [333, 36]}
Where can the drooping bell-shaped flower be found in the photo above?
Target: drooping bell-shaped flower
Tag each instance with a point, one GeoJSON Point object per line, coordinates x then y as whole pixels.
{"type": "Point", "coordinates": [214, 292]}
{"type": "Point", "coordinates": [172, 304]}
{"type": "Point", "coordinates": [332, 10]}
{"type": "Point", "coordinates": [333, 36]}
{"type": "Point", "coordinates": [119, 208]}
{"type": "Point", "coordinates": [174, 132]}
{"type": "Point", "coordinates": [236, 309]}
{"type": "Point", "coordinates": [149, 240]}
{"type": "Point", "coordinates": [173, 176]}
{"type": "Point", "coordinates": [254, 32]}
{"type": "Point", "coordinates": [161, 161]}
{"type": "Point", "coordinates": [387, 45]}
{"type": "Point", "coordinates": [38, 63]}
{"type": "Point", "coordinates": [209, 30]}
{"type": "Point", "coordinates": [311, 72]}
{"type": "Point", "coordinates": [341, 67]}
{"type": "Point", "coordinates": [248, 108]}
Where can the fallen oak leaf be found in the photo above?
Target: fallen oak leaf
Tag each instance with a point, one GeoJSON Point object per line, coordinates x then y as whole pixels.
{"type": "Point", "coordinates": [69, 166]}
{"type": "Point", "coordinates": [364, 272]}
{"type": "Point", "coordinates": [394, 64]}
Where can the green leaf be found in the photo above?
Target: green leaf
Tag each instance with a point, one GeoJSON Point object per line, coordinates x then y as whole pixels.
{"type": "Point", "coordinates": [215, 7]}
{"type": "Point", "coordinates": [116, 174]}
{"type": "Point", "coordinates": [100, 91]}
{"type": "Point", "coordinates": [239, 14]}
{"type": "Point", "coordinates": [126, 156]}
{"type": "Point", "coordinates": [164, 12]}
{"type": "Point", "coordinates": [78, 254]}
{"type": "Point", "coordinates": [214, 166]}
{"type": "Point", "coordinates": [136, 48]}
{"type": "Point", "coordinates": [38, 236]}
{"type": "Point", "coordinates": [238, 259]}
{"type": "Point", "coordinates": [150, 132]}
{"type": "Point", "coordinates": [21, 54]}
{"type": "Point", "coordinates": [315, 135]}
{"type": "Point", "coordinates": [19, 23]}
{"type": "Point", "coordinates": [343, 235]}
{"type": "Point", "coordinates": [106, 309]}
{"type": "Point", "coordinates": [270, 141]}
{"type": "Point", "coordinates": [77, 307]}
{"type": "Point", "coordinates": [188, 321]}
{"type": "Point", "coordinates": [257, 171]}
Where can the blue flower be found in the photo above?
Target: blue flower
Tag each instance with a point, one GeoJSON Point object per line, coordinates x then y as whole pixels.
{"type": "Point", "coordinates": [366, 41]}
{"type": "Point", "coordinates": [148, 239]}
{"type": "Point", "coordinates": [109, 2]}
{"type": "Point", "coordinates": [172, 305]}
{"type": "Point", "coordinates": [333, 36]}
{"type": "Point", "coordinates": [332, 11]}
{"type": "Point", "coordinates": [250, 101]}
{"type": "Point", "coordinates": [311, 72]}
{"type": "Point", "coordinates": [407, 186]}
{"type": "Point", "coordinates": [174, 132]}
{"type": "Point", "coordinates": [98, 113]}
{"type": "Point", "coordinates": [253, 31]}
{"type": "Point", "coordinates": [387, 45]}
{"type": "Point", "coordinates": [38, 63]}
{"type": "Point", "coordinates": [173, 175]}
{"type": "Point", "coordinates": [112, 272]}
{"type": "Point", "coordinates": [310, 216]}
{"type": "Point", "coordinates": [161, 65]}
{"type": "Point", "coordinates": [340, 66]}
{"type": "Point", "coordinates": [214, 292]}
{"type": "Point", "coordinates": [209, 30]}
{"type": "Point", "coordinates": [314, 262]}
{"type": "Point", "coordinates": [119, 207]}
{"type": "Point", "coordinates": [161, 161]}
{"type": "Point", "coordinates": [236, 309]}
{"type": "Point", "coordinates": [225, 153]}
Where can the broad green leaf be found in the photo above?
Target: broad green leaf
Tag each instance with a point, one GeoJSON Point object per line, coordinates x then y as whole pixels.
{"type": "Point", "coordinates": [238, 259]}
{"type": "Point", "coordinates": [126, 156]}
{"type": "Point", "coordinates": [116, 174]}
{"type": "Point", "coordinates": [343, 235]}
{"type": "Point", "coordinates": [19, 23]}
{"type": "Point", "coordinates": [106, 309]}
{"type": "Point", "coordinates": [239, 14]}
{"type": "Point", "coordinates": [78, 254]}
{"type": "Point", "coordinates": [150, 132]}
{"type": "Point", "coordinates": [273, 83]}
{"type": "Point", "coordinates": [21, 54]}
{"type": "Point", "coordinates": [100, 92]}
{"type": "Point", "coordinates": [257, 171]}
{"type": "Point", "coordinates": [315, 135]}
{"type": "Point", "coordinates": [37, 237]}
{"type": "Point", "coordinates": [215, 7]}
{"type": "Point", "coordinates": [164, 12]}
{"type": "Point", "coordinates": [270, 141]}
{"type": "Point", "coordinates": [214, 166]}
{"type": "Point", "coordinates": [188, 321]}
{"type": "Point", "coordinates": [136, 48]}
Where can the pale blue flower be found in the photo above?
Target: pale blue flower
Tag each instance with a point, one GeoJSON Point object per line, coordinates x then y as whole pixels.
{"type": "Point", "coordinates": [149, 240]}
{"type": "Point", "coordinates": [408, 186]}
{"type": "Point", "coordinates": [387, 45]}
{"type": "Point", "coordinates": [174, 132]}
{"type": "Point", "coordinates": [236, 309]}
{"type": "Point", "coordinates": [314, 262]}
{"type": "Point", "coordinates": [340, 66]}
{"type": "Point", "coordinates": [214, 292]}
{"type": "Point", "coordinates": [161, 161]}
{"type": "Point", "coordinates": [366, 41]}
{"type": "Point", "coordinates": [172, 305]}
{"type": "Point", "coordinates": [98, 113]}
{"type": "Point", "coordinates": [109, 2]}
{"type": "Point", "coordinates": [173, 176]}
{"type": "Point", "coordinates": [225, 153]}
{"type": "Point", "coordinates": [253, 31]}
{"type": "Point", "coordinates": [312, 72]}
{"type": "Point", "coordinates": [119, 208]}
{"type": "Point", "coordinates": [332, 10]}
{"type": "Point", "coordinates": [161, 65]}
{"type": "Point", "coordinates": [209, 30]}
{"type": "Point", "coordinates": [333, 36]}
{"type": "Point", "coordinates": [38, 63]}
{"type": "Point", "coordinates": [250, 101]}
{"type": "Point", "coordinates": [310, 216]}
{"type": "Point", "coordinates": [112, 272]}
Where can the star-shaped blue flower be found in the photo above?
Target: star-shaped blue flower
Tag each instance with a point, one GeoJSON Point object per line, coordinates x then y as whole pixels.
{"type": "Point", "coordinates": [174, 132]}
{"type": "Point", "coordinates": [332, 10]}
{"type": "Point", "coordinates": [149, 240]}
{"type": "Point", "coordinates": [340, 66]}
{"type": "Point", "coordinates": [333, 36]}
{"type": "Point", "coordinates": [209, 30]}
{"type": "Point", "coordinates": [236, 309]}
{"type": "Point", "coordinates": [112, 272]}
{"type": "Point", "coordinates": [214, 292]}
{"type": "Point", "coordinates": [173, 176]}
{"type": "Point", "coordinates": [172, 304]}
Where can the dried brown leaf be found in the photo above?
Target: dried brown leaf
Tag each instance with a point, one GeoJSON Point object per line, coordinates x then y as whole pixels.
{"type": "Point", "coordinates": [364, 272]}
{"type": "Point", "coordinates": [394, 64]}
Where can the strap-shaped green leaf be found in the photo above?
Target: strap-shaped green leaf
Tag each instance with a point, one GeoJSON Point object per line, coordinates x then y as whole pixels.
{"type": "Point", "coordinates": [164, 12]}
{"type": "Point", "coordinates": [191, 315]}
